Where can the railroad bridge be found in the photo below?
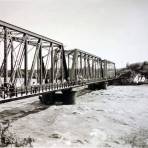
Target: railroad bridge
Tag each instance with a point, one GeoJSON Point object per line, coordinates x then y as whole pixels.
{"type": "Point", "coordinates": [34, 65]}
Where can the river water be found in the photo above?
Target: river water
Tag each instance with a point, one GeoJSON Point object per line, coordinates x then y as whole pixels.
{"type": "Point", "coordinates": [116, 117]}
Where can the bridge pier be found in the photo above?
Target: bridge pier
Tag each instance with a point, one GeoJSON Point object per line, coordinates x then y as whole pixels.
{"type": "Point", "coordinates": [97, 86]}
{"type": "Point", "coordinates": [69, 97]}
{"type": "Point", "coordinates": [92, 86]}
{"type": "Point", "coordinates": [48, 98]}
{"type": "Point", "coordinates": [104, 85]}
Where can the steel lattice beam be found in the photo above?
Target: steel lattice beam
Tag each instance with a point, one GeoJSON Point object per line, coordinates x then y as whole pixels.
{"type": "Point", "coordinates": [19, 29]}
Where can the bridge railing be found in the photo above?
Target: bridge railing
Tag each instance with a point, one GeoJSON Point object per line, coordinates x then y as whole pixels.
{"type": "Point", "coordinates": [33, 90]}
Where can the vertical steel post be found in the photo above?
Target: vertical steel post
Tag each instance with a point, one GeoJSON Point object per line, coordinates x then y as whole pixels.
{"type": "Point", "coordinates": [92, 68]}
{"type": "Point", "coordinates": [98, 63]}
{"type": "Point", "coordinates": [76, 64]}
{"type": "Point", "coordinates": [65, 70]}
{"type": "Point", "coordinates": [81, 71]}
{"type": "Point", "coordinates": [89, 68]}
{"type": "Point", "coordinates": [5, 55]}
{"type": "Point", "coordinates": [56, 64]}
{"type": "Point", "coordinates": [40, 65]}
{"type": "Point", "coordinates": [52, 64]}
{"type": "Point", "coordinates": [62, 66]}
{"type": "Point", "coordinates": [74, 68]}
{"type": "Point", "coordinates": [26, 61]}
{"type": "Point", "coordinates": [85, 66]}
{"type": "Point", "coordinates": [68, 62]}
{"type": "Point", "coordinates": [105, 68]}
{"type": "Point", "coordinates": [115, 71]}
{"type": "Point", "coordinates": [12, 57]}
{"type": "Point", "coordinates": [101, 69]}
{"type": "Point", "coordinates": [95, 69]}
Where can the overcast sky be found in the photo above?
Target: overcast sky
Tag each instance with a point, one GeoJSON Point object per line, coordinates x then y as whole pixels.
{"type": "Point", "coordinates": [112, 29]}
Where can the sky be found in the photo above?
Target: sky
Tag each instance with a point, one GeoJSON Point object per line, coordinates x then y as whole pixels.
{"type": "Point", "coordinates": [116, 30]}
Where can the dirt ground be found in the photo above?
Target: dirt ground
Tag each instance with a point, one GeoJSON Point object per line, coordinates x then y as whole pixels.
{"type": "Point", "coordinates": [116, 118]}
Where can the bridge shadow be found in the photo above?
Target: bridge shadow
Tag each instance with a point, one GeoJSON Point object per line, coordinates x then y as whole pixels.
{"type": "Point", "coordinates": [15, 113]}
{"type": "Point", "coordinates": [22, 111]}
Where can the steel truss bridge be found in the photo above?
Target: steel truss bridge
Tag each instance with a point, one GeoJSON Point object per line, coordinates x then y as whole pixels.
{"type": "Point", "coordinates": [32, 65]}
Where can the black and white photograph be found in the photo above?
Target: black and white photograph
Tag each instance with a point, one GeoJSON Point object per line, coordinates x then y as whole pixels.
{"type": "Point", "coordinates": [74, 73]}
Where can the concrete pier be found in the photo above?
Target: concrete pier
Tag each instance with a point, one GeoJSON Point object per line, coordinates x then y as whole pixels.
{"type": "Point", "coordinates": [104, 85]}
{"type": "Point", "coordinates": [48, 98]}
{"type": "Point", "coordinates": [92, 86]}
{"type": "Point", "coordinates": [69, 97]}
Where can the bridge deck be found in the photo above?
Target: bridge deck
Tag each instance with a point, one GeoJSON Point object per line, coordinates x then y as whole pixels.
{"type": "Point", "coordinates": [36, 90]}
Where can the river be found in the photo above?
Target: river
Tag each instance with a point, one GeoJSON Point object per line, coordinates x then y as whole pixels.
{"type": "Point", "coordinates": [116, 117]}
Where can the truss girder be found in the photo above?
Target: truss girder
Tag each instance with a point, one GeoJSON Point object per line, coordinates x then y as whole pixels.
{"type": "Point", "coordinates": [31, 64]}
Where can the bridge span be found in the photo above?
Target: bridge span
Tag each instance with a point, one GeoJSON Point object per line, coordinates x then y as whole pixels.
{"type": "Point", "coordinates": [34, 65]}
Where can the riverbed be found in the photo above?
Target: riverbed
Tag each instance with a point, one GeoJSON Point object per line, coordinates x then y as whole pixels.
{"type": "Point", "coordinates": [116, 118]}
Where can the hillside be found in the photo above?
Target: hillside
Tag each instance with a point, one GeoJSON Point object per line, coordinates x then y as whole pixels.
{"type": "Point", "coordinates": [133, 73]}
